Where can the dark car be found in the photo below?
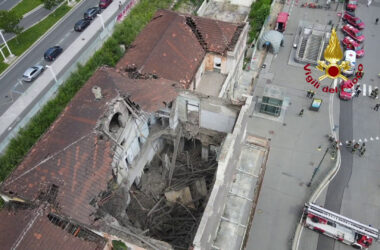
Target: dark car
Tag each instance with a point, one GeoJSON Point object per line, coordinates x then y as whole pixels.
{"type": "Point", "coordinates": [91, 13]}
{"type": "Point", "coordinates": [104, 3]}
{"type": "Point", "coordinates": [82, 24]}
{"type": "Point", "coordinates": [52, 53]}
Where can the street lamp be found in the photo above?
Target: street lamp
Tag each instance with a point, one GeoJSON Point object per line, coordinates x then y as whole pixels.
{"type": "Point", "coordinates": [317, 168]}
{"type": "Point", "coordinates": [52, 72]}
{"type": "Point", "coordinates": [101, 20]}
{"type": "Point", "coordinates": [6, 45]}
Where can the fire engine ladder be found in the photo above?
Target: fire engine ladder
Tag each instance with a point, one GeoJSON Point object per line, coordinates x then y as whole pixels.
{"type": "Point", "coordinates": [342, 220]}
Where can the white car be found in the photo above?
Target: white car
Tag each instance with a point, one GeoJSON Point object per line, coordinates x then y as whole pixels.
{"type": "Point", "coordinates": [32, 73]}
{"type": "Point", "coordinates": [350, 56]}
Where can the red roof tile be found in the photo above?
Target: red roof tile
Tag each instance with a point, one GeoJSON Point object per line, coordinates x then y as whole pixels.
{"type": "Point", "coordinates": [70, 154]}
{"type": "Point", "coordinates": [217, 34]}
{"type": "Point", "coordinates": [31, 229]}
{"type": "Point", "coordinates": [166, 47]}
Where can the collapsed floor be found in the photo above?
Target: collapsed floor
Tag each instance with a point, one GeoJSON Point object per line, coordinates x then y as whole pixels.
{"type": "Point", "coordinates": [170, 210]}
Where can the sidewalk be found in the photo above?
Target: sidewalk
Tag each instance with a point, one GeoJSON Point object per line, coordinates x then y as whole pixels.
{"type": "Point", "coordinates": [297, 143]}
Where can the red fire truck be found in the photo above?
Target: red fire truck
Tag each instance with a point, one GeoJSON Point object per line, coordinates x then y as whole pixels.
{"type": "Point", "coordinates": [339, 227]}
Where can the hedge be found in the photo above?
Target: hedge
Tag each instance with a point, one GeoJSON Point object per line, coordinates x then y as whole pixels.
{"type": "Point", "coordinates": [109, 54]}
{"type": "Point", "coordinates": [257, 15]}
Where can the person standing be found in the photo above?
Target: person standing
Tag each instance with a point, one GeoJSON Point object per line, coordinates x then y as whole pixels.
{"type": "Point", "coordinates": [376, 108]}
{"type": "Point", "coordinates": [357, 87]}
{"type": "Point", "coordinates": [301, 113]}
{"type": "Point", "coordinates": [357, 93]}
{"type": "Point", "coordinates": [377, 20]}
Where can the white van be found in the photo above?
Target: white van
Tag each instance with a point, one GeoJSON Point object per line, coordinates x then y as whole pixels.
{"type": "Point", "coordinates": [350, 56]}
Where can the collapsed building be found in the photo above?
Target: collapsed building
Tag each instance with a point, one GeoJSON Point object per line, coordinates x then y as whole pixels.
{"type": "Point", "coordinates": [135, 156]}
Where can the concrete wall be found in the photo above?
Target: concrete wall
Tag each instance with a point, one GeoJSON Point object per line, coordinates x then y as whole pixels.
{"type": "Point", "coordinates": [211, 218]}
{"type": "Point", "coordinates": [235, 64]}
{"type": "Point", "coordinates": [217, 117]}
{"type": "Point", "coordinates": [198, 75]}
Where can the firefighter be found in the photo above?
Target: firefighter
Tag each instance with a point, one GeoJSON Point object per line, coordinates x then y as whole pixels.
{"type": "Point", "coordinates": [362, 151]}
{"type": "Point", "coordinates": [374, 92]}
{"type": "Point", "coordinates": [349, 144]}
{"type": "Point", "coordinates": [355, 147]}
{"type": "Point", "coordinates": [301, 113]}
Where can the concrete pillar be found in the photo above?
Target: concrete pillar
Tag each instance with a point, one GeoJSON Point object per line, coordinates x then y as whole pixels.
{"type": "Point", "coordinates": [205, 150]}
{"type": "Point", "coordinates": [181, 145]}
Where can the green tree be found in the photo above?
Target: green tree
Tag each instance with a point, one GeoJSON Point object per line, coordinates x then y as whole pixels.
{"type": "Point", "coordinates": [9, 21]}
{"type": "Point", "coordinates": [49, 4]}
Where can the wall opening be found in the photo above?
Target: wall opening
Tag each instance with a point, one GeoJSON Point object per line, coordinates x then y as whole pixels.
{"type": "Point", "coordinates": [115, 123]}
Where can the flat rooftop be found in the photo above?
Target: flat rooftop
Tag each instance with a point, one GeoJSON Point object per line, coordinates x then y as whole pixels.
{"type": "Point", "coordinates": [211, 83]}
{"type": "Point", "coordinates": [226, 12]}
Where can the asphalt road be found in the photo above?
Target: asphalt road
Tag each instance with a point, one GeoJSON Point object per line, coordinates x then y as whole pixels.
{"type": "Point", "coordinates": [8, 4]}
{"type": "Point", "coordinates": [31, 20]}
{"type": "Point", "coordinates": [63, 36]}
{"type": "Point", "coordinates": [355, 189]}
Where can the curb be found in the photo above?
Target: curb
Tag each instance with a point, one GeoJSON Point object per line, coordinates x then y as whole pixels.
{"type": "Point", "coordinates": [38, 41]}
{"type": "Point", "coordinates": [33, 10]}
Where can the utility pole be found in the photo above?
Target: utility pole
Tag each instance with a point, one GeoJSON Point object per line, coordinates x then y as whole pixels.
{"type": "Point", "coordinates": [317, 168]}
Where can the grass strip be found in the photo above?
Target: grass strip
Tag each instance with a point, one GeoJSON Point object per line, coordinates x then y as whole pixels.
{"type": "Point", "coordinates": [25, 6]}
{"type": "Point", "coordinates": [23, 41]}
{"type": "Point", "coordinates": [110, 53]}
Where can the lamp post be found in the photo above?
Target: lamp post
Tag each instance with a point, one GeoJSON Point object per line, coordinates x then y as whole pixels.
{"type": "Point", "coordinates": [6, 45]}
{"type": "Point", "coordinates": [317, 168]}
{"type": "Point", "coordinates": [52, 72]}
{"type": "Point", "coordinates": [101, 20]}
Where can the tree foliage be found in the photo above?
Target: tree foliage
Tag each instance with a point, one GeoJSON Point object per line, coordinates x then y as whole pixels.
{"type": "Point", "coordinates": [49, 4]}
{"type": "Point", "coordinates": [9, 21]}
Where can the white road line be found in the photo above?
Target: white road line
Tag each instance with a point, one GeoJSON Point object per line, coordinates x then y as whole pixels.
{"type": "Point", "coordinates": [364, 90]}
{"type": "Point", "coordinates": [369, 89]}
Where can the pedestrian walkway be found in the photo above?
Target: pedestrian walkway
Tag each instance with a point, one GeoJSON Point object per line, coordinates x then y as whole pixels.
{"type": "Point", "coordinates": [370, 88]}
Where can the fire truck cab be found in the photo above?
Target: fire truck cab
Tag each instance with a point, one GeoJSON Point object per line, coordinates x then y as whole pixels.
{"type": "Point", "coordinates": [339, 227]}
{"type": "Point", "coordinates": [282, 20]}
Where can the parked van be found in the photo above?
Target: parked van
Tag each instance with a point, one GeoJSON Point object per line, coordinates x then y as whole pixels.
{"type": "Point", "coordinates": [353, 20]}
{"type": "Point", "coordinates": [282, 20]}
{"type": "Point", "coordinates": [351, 5]}
{"type": "Point", "coordinates": [351, 44]}
{"type": "Point", "coordinates": [350, 56]}
{"type": "Point", "coordinates": [353, 32]}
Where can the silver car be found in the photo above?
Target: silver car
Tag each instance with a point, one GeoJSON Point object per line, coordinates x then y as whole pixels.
{"type": "Point", "coordinates": [32, 73]}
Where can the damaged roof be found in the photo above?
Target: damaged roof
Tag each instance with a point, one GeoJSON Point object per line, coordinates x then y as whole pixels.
{"type": "Point", "coordinates": [173, 45]}
{"type": "Point", "coordinates": [71, 164]}
{"type": "Point", "coordinates": [31, 229]}
{"type": "Point", "coordinates": [149, 94]}
{"type": "Point", "coordinates": [70, 155]}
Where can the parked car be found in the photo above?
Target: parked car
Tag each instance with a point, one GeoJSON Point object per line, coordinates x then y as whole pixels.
{"type": "Point", "coordinates": [104, 3]}
{"type": "Point", "coordinates": [32, 73]}
{"type": "Point", "coordinates": [52, 53]}
{"type": "Point", "coordinates": [351, 5]}
{"type": "Point", "coordinates": [82, 24]}
{"type": "Point", "coordinates": [351, 44]}
{"type": "Point", "coordinates": [353, 32]}
{"type": "Point", "coordinates": [346, 90]}
{"type": "Point", "coordinates": [91, 13]}
{"type": "Point", "coordinates": [353, 20]}
{"type": "Point", "coordinates": [350, 56]}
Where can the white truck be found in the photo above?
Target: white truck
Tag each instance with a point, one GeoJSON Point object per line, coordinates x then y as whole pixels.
{"type": "Point", "coordinates": [339, 227]}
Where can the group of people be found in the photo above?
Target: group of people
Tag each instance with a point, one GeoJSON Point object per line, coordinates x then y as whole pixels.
{"type": "Point", "coordinates": [356, 147]}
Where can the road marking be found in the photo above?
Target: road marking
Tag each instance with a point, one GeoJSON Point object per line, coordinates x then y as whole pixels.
{"type": "Point", "coordinates": [369, 89]}
{"type": "Point", "coordinates": [377, 138]}
{"type": "Point", "coordinates": [364, 90]}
